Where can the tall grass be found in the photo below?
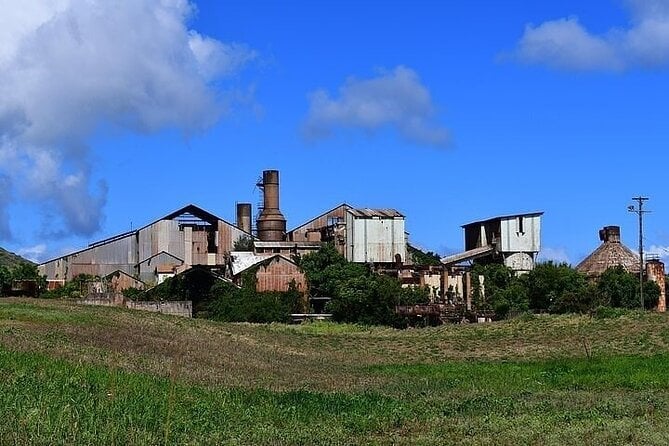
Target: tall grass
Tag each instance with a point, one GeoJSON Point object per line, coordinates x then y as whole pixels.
{"type": "Point", "coordinates": [86, 375]}
{"type": "Point", "coordinates": [49, 401]}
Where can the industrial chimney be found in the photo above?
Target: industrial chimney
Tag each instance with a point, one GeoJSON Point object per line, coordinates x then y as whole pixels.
{"type": "Point", "coordinates": [270, 223]}
{"type": "Point", "coordinates": [244, 217]}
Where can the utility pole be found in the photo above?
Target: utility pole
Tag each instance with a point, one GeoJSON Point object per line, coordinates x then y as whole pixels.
{"type": "Point", "coordinates": [640, 211]}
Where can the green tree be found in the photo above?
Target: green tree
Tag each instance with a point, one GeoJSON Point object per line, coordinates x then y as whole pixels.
{"type": "Point", "coordinates": [5, 280]}
{"type": "Point", "coordinates": [244, 243]}
{"type": "Point", "coordinates": [549, 282]}
{"type": "Point", "coordinates": [325, 268]}
{"type": "Point", "coordinates": [358, 294]}
{"type": "Point", "coordinates": [245, 304]}
{"type": "Point", "coordinates": [421, 258]}
{"type": "Point", "coordinates": [501, 291]}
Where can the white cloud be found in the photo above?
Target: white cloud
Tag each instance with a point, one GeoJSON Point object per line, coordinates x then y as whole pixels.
{"type": "Point", "coordinates": [33, 253]}
{"type": "Point", "coordinates": [566, 44]}
{"type": "Point", "coordinates": [557, 255]}
{"type": "Point", "coordinates": [655, 250]}
{"type": "Point", "coordinates": [395, 98]}
{"type": "Point", "coordinates": [5, 198]}
{"type": "Point", "coordinates": [68, 66]}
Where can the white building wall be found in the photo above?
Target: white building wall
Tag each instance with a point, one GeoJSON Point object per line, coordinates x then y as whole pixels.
{"type": "Point", "coordinates": [520, 234]}
{"type": "Point", "coordinates": [375, 239]}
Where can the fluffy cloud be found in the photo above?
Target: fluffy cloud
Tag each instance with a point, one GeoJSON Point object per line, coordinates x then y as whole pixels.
{"type": "Point", "coordinates": [33, 253]}
{"type": "Point", "coordinates": [395, 99]}
{"type": "Point", "coordinates": [661, 251]}
{"type": "Point", "coordinates": [69, 66]}
{"type": "Point", "coordinates": [557, 255]}
{"type": "Point", "coordinates": [5, 197]}
{"type": "Point", "coordinates": [566, 44]}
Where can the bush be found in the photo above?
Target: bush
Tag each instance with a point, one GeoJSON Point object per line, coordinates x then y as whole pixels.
{"type": "Point", "coordinates": [552, 285]}
{"type": "Point", "coordinates": [609, 312]}
{"type": "Point", "coordinates": [74, 289]}
{"type": "Point", "coordinates": [245, 304]}
{"type": "Point", "coordinates": [358, 294]}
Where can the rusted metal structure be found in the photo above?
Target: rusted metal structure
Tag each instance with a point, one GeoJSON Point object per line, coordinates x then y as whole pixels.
{"type": "Point", "coordinates": [655, 273]}
{"type": "Point", "coordinates": [611, 253]}
{"type": "Point", "coordinates": [330, 226]}
{"type": "Point", "coordinates": [119, 281]}
{"type": "Point", "coordinates": [271, 223]}
{"type": "Point", "coordinates": [273, 273]}
{"type": "Point", "coordinates": [436, 313]}
{"type": "Point", "coordinates": [244, 217]}
{"type": "Point", "coordinates": [514, 240]}
{"type": "Point", "coordinates": [362, 235]}
{"type": "Point", "coordinates": [186, 237]}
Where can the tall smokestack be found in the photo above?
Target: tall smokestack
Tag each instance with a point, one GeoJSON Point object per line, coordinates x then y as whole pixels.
{"type": "Point", "coordinates": [271, 223]}
{"type": "Point", "coordinates": [244, 217]}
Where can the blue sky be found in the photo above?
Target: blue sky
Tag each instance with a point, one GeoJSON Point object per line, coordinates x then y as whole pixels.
{"type": "Point", "coordinates": [448, 111]}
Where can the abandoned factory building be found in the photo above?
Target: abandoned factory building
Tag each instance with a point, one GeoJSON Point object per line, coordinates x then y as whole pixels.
{"type": "Point", "coordinates": [191, 236]}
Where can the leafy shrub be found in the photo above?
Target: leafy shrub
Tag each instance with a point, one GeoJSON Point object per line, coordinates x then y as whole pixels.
{"type": "Point", "coordinates": [245, 304]}
{"type": "Point", "coordinates": [609, 312]}
{"type": "Point", "coordinates": [358, 294]}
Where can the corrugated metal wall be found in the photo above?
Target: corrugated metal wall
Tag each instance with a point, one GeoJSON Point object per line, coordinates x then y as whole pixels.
{"type": "Point", "coordinates": [278, 274]}
{"type": "Point", "coordinates": [147, 269]}
{"type": "Point", "coordinates": [299, 234]}
{"type": "Point", "coordinates": [376, 240]}
{"type": "Point", "coordinates": [125, 253]}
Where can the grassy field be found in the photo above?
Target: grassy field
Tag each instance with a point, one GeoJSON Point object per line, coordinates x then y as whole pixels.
{"type": "Point", "coordinates": [73, 374]}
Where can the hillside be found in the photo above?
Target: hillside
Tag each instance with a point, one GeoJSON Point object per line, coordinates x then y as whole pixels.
{"type": "Point", "coordinates": [76, 374]}
{"type": "Point", "coordinates": [9, 259]}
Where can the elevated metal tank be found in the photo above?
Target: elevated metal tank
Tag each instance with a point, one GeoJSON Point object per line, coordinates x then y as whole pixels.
{"type": "Point", "coordinates": [271, 223]}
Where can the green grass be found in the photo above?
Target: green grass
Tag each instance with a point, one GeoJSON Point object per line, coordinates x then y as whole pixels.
{"type": "Point", "coordinates": [72, 374]}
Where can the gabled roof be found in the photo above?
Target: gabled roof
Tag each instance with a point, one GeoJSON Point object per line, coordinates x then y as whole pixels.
{"type": "Point", "coordinates": [247, 261]}
{"type": "Point", "coordinates": [198, 268]}
{"type": "Point", "coordinates": [343, 205]}
{"type": "Point", "coordinates": [188, 209]}
{"type": "Point", "coordinates": [196, 211]}
{"type": "Point", "coordinates": [161, 253]}
{"type": "Point", "coordinates": [121, 272]}
{"type": "Point", "coordinates": [503, 217]}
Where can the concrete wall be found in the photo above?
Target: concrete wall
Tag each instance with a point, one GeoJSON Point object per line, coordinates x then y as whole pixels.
{"type": "Point", "coordinates": [175, 308]}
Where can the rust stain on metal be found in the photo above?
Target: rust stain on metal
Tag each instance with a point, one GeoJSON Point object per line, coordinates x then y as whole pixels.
{"type": "Point", "coordinates": [655, 273]}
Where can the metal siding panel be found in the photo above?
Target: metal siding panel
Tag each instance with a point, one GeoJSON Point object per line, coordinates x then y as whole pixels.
{"type": "Point", "coordinates": [227, 236]}
{"type": "Point", "coordinates": [300, 234]}
{"type": "Point", "coordinates": [199, 247]}
{"type": "Point", "coordinates": [277, 276]}
{"type": "Point", "coordinates": [144, 244]}
{"type": "Point", "coordinates": [188, 246]}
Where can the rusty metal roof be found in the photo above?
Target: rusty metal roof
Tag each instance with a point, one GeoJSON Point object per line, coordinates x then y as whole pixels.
{"type": "Point", "coordinates": [371, 213]}
{"type": "Point", "coordinates": [343, 205]}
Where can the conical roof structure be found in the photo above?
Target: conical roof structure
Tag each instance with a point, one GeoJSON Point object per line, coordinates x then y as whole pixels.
{"type": "Point", "coordinates": [609, 254]}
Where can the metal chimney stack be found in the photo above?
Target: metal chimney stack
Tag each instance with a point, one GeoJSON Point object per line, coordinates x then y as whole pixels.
{"type": "Point", "coordinates": [244, 217]}
{"type": "Point", "coordinates": [271, 224]}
